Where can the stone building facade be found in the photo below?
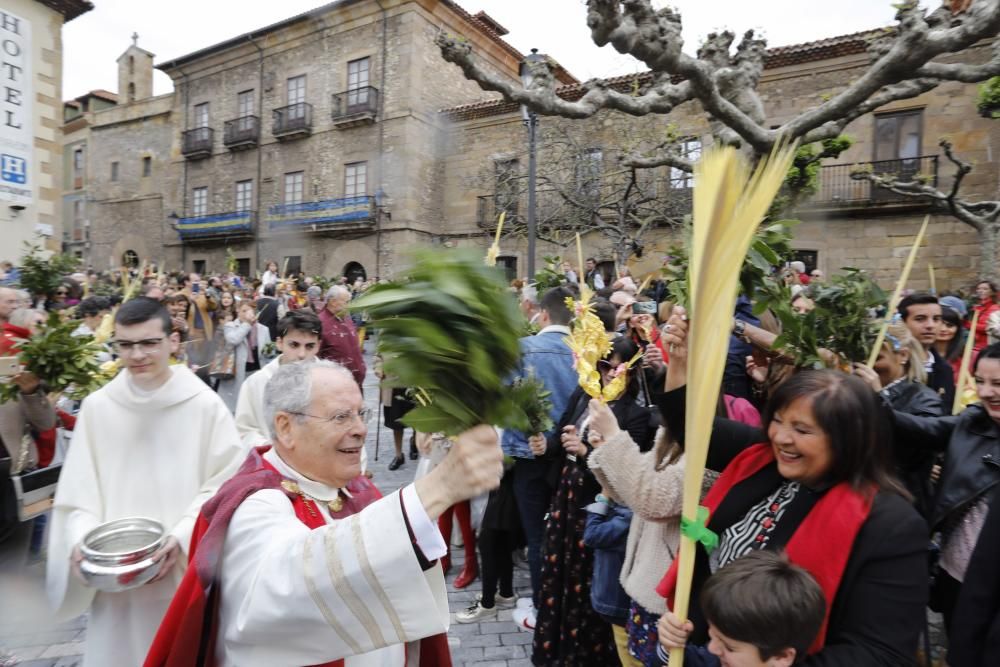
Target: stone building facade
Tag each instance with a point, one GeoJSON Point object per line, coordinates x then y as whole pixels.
{"type": "Point", "coordinates": [845, 224]}
{"type": "Point", "coordinates": [335, 140]}
{"type": "Point", "coordinates": [31, 158]}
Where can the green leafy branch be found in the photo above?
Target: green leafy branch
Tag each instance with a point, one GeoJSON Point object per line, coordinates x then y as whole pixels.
{"type": "Point", "coordinates": [62, 361]}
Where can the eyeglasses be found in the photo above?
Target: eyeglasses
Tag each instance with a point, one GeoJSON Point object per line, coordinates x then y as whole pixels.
{"type": "Point", "coordinates": [61, 293]}
{"type": "Point", "coordinates": [124, 347]}
{"type": "Point", "coordinates": [342, 418]}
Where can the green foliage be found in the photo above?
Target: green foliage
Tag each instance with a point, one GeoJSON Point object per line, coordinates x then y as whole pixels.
{"type": "Point", "coordinates": [803, 175]}
{"type": "Point", "coordinates": [842, 322]}
{"type": "Point", "coordinates": [231, 263]}
{"type": "Point", "coordinates": [770, 248]}
{"type": "Point", "coordinates": [450, 327]}
{"type": "Point", "coordinates": [62, 361]}
{"type": "Point", "coordinates": [988, 101]}
{"type": "Point", "coordinates": [42, 276]}
{"type": "Point", "coordinates": [323, 282]}
{"type": "Point", "coordinates": [550, 275]}
{"type": "Point", "coordinates": [530, 393]}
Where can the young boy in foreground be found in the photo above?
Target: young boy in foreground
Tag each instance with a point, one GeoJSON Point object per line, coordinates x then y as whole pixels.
{"type": "Point", "coordinates": [761, 610]}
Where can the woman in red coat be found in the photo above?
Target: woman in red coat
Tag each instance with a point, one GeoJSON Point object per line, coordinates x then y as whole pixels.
{"type": "Point", "coordinates": [986, 292]}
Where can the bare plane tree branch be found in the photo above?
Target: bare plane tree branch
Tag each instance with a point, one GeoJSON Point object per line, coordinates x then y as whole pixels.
{"type": "Point", "coordinates": [978, 215]}
{"type": "Point", "coordinates": [726, 84]}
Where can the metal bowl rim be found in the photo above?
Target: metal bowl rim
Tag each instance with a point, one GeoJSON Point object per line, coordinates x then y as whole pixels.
{"type": "Point", "coordinates": [90, 553]}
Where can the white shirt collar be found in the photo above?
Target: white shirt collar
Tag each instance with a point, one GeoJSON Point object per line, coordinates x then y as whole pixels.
{"type": "Point", "coordinates": [311, 488]}
{"type": "Point", "coordinates": [555, 328]}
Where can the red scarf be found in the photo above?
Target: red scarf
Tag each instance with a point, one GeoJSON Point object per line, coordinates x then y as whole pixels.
{"type": "Point", "coordinates": [821, 544]}
{"type": "Point", "coordinates": [186, 637]}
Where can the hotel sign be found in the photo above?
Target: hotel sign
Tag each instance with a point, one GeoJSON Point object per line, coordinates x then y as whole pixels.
{"type": "Point", "coordinates": [16, 119]}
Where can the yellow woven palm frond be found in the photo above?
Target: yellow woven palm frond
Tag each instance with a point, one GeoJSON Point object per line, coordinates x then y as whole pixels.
{"type": "Point", "coordinates": [589, 343]}
{"type": "Point", "coordinates": [730, 201]}
{"type": "Point", "coordinates": [494, 250]}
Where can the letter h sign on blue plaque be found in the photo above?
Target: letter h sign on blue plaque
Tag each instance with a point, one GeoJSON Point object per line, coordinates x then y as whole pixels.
{"type": "Point", "coordinates": [13, 169]}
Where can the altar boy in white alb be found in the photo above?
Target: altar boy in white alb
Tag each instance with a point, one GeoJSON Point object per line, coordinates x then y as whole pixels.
{"type": "Point", "coordinates": [155, 442]}
{"type": "Point", "coordinates": [298, 561]}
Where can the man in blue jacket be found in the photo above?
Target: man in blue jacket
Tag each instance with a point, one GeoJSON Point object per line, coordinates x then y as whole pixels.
{"type": "Point", "coordinates": [547, 356]}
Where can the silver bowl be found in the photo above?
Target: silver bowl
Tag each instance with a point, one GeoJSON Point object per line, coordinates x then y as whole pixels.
{"type": "Point", "coordinates": [118, 555]}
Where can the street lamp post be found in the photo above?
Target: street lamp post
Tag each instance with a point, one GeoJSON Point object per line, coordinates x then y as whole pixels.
{"type": "Point", "coordinates": [531, 122]}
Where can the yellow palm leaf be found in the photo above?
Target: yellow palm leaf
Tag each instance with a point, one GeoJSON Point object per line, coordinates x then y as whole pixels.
{"type": "Point", "coordinates": [730, 201]}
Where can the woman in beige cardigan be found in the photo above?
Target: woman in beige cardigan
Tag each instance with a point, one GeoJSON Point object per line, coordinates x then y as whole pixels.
{"type": "Point", "coordinates": [651, 484]}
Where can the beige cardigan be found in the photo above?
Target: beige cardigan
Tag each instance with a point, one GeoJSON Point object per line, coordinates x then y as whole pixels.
{"type": "Point", "coordinates": [655, 497]}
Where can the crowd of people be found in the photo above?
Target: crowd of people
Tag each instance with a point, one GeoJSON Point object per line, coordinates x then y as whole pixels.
{"type": "Point", "coordinates": [843, 503]}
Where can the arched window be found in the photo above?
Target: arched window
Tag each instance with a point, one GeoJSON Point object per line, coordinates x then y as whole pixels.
{"type": "Point", "coordinates": [130, 259]}
{"type": "Point", "coordinates": [131, 64]}
{"type": "Point", "coordinates": [131, 92]}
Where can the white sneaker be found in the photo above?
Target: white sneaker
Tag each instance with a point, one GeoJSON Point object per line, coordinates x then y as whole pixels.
{"type": "Point", "coordinates": [525, 603]}
{"type": "Point", "coordinates": [476, 612]}
{"type": "Point", "coordinates": [524, 619]}
{"type": "Point", "coordinates": [504, 603]}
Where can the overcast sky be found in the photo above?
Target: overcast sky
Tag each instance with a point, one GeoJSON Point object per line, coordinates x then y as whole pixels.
{"type": "Point", "coordinates": [557, 27]}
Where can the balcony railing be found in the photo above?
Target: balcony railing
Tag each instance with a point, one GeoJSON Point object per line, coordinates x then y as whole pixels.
{"type": "Point", "coordinates": [837, 189]}
{"type": "Point", "coordinates": [197, 143]}
{"type": "Point", "coordinates": [292, 121]}
{"type": "Point", "coordinates": [355, 107]}
{"type": "Point", "coordinates": [218, 226]}
{"type": "Point", "coordinates": [327, 215]}
{"type": "Point", "coordinates": [240, 133]}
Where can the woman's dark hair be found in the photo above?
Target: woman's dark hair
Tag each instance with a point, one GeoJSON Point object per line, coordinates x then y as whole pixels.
{"type": "Point", "coordinates": [854, 421]}
{"type": "Point", "coordinates": [988, 352]}
{"type": "Point", "coordinates": [606, 312]}
{"type": "Point", "coordinates": [957, 344]}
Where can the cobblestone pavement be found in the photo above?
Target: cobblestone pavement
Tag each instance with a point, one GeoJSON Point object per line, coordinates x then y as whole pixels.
{"type": "Point", "coordinates": [27, 631]}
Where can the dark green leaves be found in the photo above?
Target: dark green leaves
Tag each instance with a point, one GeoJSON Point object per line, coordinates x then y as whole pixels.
{"type": "Point", "coordinates": [42, 276]}
{"type": "Point", "coordinates": [450, 327]}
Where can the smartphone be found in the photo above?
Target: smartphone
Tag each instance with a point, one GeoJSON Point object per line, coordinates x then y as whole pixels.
{"type": "Point", "coordinates": [644, 308]}
{"type": "Point", "coordinates": [9, 366]}
{"type": "Point", "coordinates": [195, 288]}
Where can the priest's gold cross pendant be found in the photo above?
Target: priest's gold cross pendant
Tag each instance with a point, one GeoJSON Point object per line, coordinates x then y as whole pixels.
{"type": "Point", "coordinates": [334, 505]}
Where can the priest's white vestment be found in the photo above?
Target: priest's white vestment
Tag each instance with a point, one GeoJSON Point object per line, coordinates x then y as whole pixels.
{"type": "Point", "coordinates": [158, 454]}
{"type": "Point", "coordinates": [295, 596]}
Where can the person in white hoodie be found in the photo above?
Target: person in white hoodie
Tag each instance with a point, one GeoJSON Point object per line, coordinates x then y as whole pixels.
{"type": "Point", "coordinates": [247, 339]}
{"type": "Point", "coordinates": [154, 442]}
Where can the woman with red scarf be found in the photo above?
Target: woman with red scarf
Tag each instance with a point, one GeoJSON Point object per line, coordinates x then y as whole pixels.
{"type": "Point", "coordinates": [986, 292]}
{"type": "Point", "coordinates": [815, 483]}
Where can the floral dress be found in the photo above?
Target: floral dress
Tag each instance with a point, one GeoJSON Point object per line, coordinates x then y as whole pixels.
{"type": "Point", "coordinates": [568, 631]}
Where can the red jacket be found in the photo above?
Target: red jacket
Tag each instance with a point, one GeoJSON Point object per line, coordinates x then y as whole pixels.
{"type": "Point", "coordinates": [340, 343]}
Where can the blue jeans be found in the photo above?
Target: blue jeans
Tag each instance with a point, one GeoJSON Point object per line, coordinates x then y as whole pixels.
{"type": "Point", "coordinates": [533, 495]}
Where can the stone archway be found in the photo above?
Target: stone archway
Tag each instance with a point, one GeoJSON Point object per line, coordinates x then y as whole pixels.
{"type": "Point", "coordinates": [353, 251]}
{"type": "Point", "coordinates": [353, 271]}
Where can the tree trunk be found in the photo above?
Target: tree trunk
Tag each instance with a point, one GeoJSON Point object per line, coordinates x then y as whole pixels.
{"type": "Point", "coordinates": [988, 251]}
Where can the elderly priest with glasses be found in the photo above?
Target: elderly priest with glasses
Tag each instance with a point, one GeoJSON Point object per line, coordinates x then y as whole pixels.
{"type": "Point", "coordinates": [298, 560]}
{"type": "Point", "coordinates": [155, 442]}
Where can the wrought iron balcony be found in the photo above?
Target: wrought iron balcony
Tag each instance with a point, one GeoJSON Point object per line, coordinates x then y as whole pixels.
{"type": "Point", "coordinates": [329, 215]}
{"type": "Point", "coordinates": [355, 107]}
{"type": "Point", "coordinates": [197, 143]}
{"type": "Point", "coordinates": [241, 133]}
{"type": "Point", "coordinates": [838, 189]}
{"type": "Point", "coordinates": [292, 121]}
{"type": "Point", "coordinates": [231, 226]}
